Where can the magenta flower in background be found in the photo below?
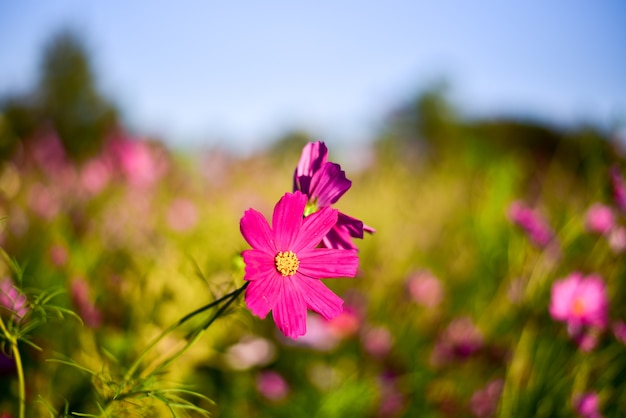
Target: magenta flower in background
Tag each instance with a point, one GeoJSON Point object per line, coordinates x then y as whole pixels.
{"type": "Point", "coordinates": [182, 215]}
{"type": "Point", "coordinates": [617, 239]}
{"type": "Point", "coordinates": [324, 183]}
{"type": "Point", "coordinates": [425, 289]}
{"type": "Point", "coordinates": [532, 223]}
{"type": "Point", "coordinates": [587, 405]}
{"type": "Point", "coordinates": [600, 219]}
{"type": "Point", "coordinates": [284, 265]}
{"type": "Point", "coordinates": [580, 301]}
{"type": "Point", "coordinates": [12, 300]}
{"type": "Point", "coordinates": [249, 352]}
{"type": "Point", "coordinates": [458, 341]}
{"type": "Point", "coordinates": [136, 160]}
{"type": "Point", "coordinates": [619, 330]}
{"type": "Point", "coordinates": [346, 324]}
{"type": "Point", "coordinates": [272, 385]}
{"type": "Point", "coordinates": [484, 402]}
{"type": "Point", "coordinates": [377, 341]}
{"type": "Point", "coordinates": [84, 304]}
{"type": "Point", "coordinates": [619, 188]}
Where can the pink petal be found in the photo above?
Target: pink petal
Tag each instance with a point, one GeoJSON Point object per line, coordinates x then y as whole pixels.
{"type": "Point", "coordinates": [261, 295]}
{"type": "Point", "coordinates": [256, 231]}
{"type": "Point", "coordinates": [258, 264]}
{"type": "Point", "coordinates": [313, 156]}
{"type": "Point", "coordinates": [593, 291]}
{"type": "Point", "coordinates": [322, 263]}
{"type": "Point", "coordinates": [319, 298]}
{"type": "Point", "coordinates": [340, 236]}
{"type": "Point", "coordinates": [352, 225]}
{"type": "Point", "coordinates": [329, 184]}
{"type": "Point", "coordinates": [287, 219]}
{"type": "Point", "coordinates": [290, 310]}
{"type": "Point", "coordinates": [562, 296]}
{"type": "Point", "coordinates": [314, 228]}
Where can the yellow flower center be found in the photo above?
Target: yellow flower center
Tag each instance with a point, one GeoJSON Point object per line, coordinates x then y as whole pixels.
{"type": "Point", "coordinates": [286, 263]}
{"type": "Point", "coordinates": [578, 307]}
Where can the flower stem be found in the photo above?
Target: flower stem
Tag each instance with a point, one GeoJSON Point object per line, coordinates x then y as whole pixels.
{"type": "Point", "coordinates": [194, 336]}
{"type": "Point", "coordinates": [18, 365]}
{"type": "Point", "coordinates": [229, 298]}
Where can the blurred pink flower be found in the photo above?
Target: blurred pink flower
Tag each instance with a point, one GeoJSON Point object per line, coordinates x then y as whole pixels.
{"type": "Point", "coordinates": [44, 201]}
{"type": "Point", "coordinates": [377, 341]}
{"type": "Point", "coordinates": [12, 300]}
{"type": "Point", "coordinates": [324, 183]}
{"type": "Point", "coordinates": [284, 265]}
{"type": "Point", "coordinates": [619, 188]}
{"type": "Point", "coordinates": [136, 160]}
{"type": "Point", "coordinates": [346, 324]}
{"type": "Point", "coordinates": [617, 239]}
{"type": "Point", "coordinates": [587, 405]}
{"type": "Point", "coordinates": [250, 352]}
{"type": "Point", "coordinates": [86, 308]}
{"type": "Point", "coordinates": [95, 175]}
{"type": "Point", "coordinates": [425, 289]}
{"type": "Point", "coordinates": [600, 218]}
{"type": "Point", "coordinates": [537, 228]}
{"type": "Point", "coordinates": [580, 301]}
{"type": "Point", "coordinates": [49, 154]}
{"type": "Point", "coordinates": [272, 385]}
{"type": "Point", "coordinates": [318, 335]}
{"type": "Point", "coordinates": [619, 330]}
{"type": "Point", "coordinates": [585, 337]}
{"type": "Point", "coordinates": [58, 255]}
{"type": "Point", "coordinates": [484, 402]}
{"type": "Point", "coordinates": [182, 215]}
{"type": "Point", "coordinates": [392, 400]}
{"type": "Point", "coordinates": [7, 365]}
{"type": "Point", "coordinates": [459, 341]}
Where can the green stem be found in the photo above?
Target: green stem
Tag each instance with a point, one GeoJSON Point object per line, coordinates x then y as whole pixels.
{"type": "Point", "coordinates": [135, 365]}
{"type": "Point", "coordinates": [20, 378]}
{"type": "Point", "coordinates": [193, 337]}
{"type": "Point", "coordinates": [18, 365]}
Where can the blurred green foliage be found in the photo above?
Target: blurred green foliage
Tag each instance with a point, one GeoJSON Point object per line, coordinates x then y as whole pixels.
{"type": "Point", "coordinates": [65, 99]}
{"type": "Point", "coordinates": [140, 239]}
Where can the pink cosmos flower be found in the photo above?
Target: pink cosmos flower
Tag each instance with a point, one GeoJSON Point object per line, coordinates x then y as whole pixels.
{"type": "Point", "coordinates": [458, 341]}
{"type": "Point", "coordinates": [425, 289]}
{"type": "Point", "coordinates": [588, 405]}
{"type": "Point", "coordinates": [617, 239]}
{"type": "Point", "coordinates": [83, 302]}
{"type": "Point", "coordinates": [284, 265]}
{"type": "Point", "coordinates": [580, 301]}
{"type": "Point", "coordinates": [484, 402]}
{"type": "Point", "coordinates": [182, 215]}
{"type": "Point", "coordinates": [377, 341]}
{"type": "Point", "coordinates": [600, 218]}
{"type": "Point", "coordinates": [272, 385]}
{"type": "Point", "coordinates": [619, 188]}
{"type": "Point", "coordinates": [619, 330]}
{"type": "Point", "coordinates": [95, 175]}
{"type": "Point", "coordinates": [531, 221]}
{"type": "Point", "coordinates": [324, 183]}
{"type": "Point", "coordinates": [12, 300]}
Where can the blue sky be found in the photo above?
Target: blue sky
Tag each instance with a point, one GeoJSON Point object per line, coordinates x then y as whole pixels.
{"type": "Point", "coordinates": [201, 73]}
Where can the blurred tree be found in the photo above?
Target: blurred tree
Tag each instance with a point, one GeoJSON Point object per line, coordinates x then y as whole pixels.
{"type": "Point", "coordinates": [424, 125]}
{"type": "Point", "coordinates": [69, 98]}
{"type": "Point", "coordinates": [289, 146]}
{"type": "Point", "coordinates": [18, 119]}
{"type": "Point", "coordinates": [66, 98]}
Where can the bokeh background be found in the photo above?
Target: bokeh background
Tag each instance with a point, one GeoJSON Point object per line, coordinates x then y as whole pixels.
{"type": "Point", "coordinates": [134, 136]}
